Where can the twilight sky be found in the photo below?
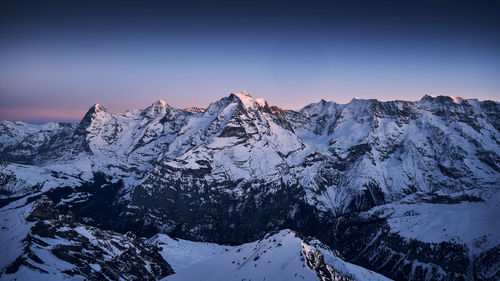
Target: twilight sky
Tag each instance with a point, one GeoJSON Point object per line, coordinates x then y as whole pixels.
{"type": "Point", "coordinates": [57, 58]}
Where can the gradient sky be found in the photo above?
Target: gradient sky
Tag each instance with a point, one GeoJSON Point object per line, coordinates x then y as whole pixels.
{"type": "Point", "coordinates": [57, 58]}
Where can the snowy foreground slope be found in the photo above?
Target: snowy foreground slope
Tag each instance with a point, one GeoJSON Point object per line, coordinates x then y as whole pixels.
{"type": "Point", "coordinates": [408, 189]}
{"type": "Point", "coordinates": [39, 243]}
{"type": "Point", "coordinates": [279, 256]}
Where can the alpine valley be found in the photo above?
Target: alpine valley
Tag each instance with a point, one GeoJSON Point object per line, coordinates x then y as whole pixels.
{"type": "Point", "coordinates": [241, 190]}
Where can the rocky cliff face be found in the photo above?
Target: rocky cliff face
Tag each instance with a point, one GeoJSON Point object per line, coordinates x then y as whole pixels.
{"type": "Point", "coordinates": [54, 246]}
{"type": "Point", "coordinates": [242, 168]}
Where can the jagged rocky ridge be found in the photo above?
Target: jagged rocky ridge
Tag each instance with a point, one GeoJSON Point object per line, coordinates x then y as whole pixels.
{"type": "Point", "coordinates": [241, 168]}
{"type": "Point", "coordinates": [277, 256]}
{"type": "Point", "coordinates": [48, 245]}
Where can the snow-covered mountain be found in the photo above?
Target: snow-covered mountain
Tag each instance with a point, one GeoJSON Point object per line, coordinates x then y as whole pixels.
{"type": "Point", "coordinates": [40, 243]}
{"type": "Point", "coordinates": [407, 189]}
{"type": "Point", "coordinates": [278, 256]}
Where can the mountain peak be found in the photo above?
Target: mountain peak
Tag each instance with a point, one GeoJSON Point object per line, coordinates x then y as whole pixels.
{"type": "Point", "coordinates": [357, 99]}
{"type": "Point", "coordinates": [97, 108]}
{"type": "Point", "coordinates": [160, 102]}
{"type": "Point", "coordinates": [244, 93]}
{"type": "Point", "coordinates": [245, 98]}
{"type": "Point", "coordinates": [158, 106]}
{"type": "Point", "coordinates": [441, 98]}
{"type": "Point", "coordinates": [89, 116]}
{"type": "Point", "coordinates": [262, 102]}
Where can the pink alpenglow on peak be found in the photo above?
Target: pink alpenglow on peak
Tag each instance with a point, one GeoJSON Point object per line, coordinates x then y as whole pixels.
{"type": "Point", "coordinates": [158, 106]}
{"type": "Point", "coordinates": [160, 102]}
{"type": "Point", "coordinates": [262, 102]}
{"type": "Point", "coordinates": [453, 99]}
{"type": "Point", "coordinates": [245, 93]}
{"type": "Point", "coordinates": [98, 107]}
{"type": "Point", "coordinates": [248, 101]}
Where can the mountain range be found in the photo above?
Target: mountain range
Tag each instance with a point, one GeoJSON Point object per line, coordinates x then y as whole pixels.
{"type": "Point", "coordinates": [368, 190]}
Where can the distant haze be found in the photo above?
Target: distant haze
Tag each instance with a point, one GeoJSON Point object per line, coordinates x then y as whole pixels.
{"type": "Point", "coordinates": [60, 57]}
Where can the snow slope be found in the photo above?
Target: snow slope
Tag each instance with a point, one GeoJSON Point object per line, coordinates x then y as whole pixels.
{"type": "Point", "coordinates": [280, 256]}
{"type": "Point", "coordinates": [474, 223]}
{"type": "Point", "coordinates": [181, 254]}
{"type": "Point", "coordinates": [38, 243]}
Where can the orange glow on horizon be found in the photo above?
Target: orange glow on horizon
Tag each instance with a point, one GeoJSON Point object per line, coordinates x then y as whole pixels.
{"type": "Point", "coordinates": [21, 114]}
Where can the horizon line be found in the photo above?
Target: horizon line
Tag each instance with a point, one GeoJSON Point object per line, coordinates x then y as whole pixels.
{"type": "Point", "coordinates": [82, 111]}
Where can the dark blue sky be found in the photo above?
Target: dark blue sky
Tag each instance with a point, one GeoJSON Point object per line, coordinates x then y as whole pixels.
{"type": "Point", "coordinates": [60, 57]}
